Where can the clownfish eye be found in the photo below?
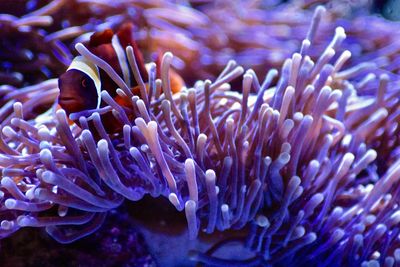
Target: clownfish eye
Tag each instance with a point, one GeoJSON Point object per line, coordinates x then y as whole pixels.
{"type": "Point", "coordinates": [84, 82]}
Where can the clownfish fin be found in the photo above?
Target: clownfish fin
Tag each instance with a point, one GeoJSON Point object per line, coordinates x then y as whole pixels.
{"type": "Point", "coordinates": [99, 38]}
{"type": "Point", "coordinates": [125, 37]}
{"type": "Point", "coordinates": [176, 81]}
{"type": "Point", "coordinates": [124, 34]}
{"type": "Point", "coordinates": [123, 101]}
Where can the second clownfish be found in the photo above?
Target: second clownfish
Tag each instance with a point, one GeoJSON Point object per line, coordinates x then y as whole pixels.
{"type": "Point", "coordinates": [80, 86]}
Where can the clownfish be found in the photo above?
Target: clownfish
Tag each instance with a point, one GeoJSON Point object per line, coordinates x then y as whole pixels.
{"type": "Point", "coordinates": [81, 85]}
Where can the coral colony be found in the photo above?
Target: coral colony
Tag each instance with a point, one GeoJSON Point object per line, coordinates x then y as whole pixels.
{"type": "Point", "coordinates": [292, 162]}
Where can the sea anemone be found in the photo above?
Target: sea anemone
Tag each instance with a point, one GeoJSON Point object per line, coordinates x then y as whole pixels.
{"type": "Point", "coordinates": [203, 35]}
{"type": "Point", "coordinates": [302, 168]}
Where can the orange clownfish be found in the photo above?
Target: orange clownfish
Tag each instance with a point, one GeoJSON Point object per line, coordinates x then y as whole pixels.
{"type": "Point", "coordinates": [80, 86]}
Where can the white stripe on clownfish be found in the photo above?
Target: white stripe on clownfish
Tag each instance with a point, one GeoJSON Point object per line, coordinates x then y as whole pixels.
{"type": "Point", "coordinates": [82, 64]}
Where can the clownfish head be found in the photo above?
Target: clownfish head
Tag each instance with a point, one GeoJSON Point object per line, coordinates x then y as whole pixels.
{"type": "Point", "coordinates": [79, 87]}
{"type": "Point", "coordinates": [77, 91]}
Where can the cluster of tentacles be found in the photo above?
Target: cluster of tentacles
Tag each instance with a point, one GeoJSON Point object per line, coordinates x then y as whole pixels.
{"type": "Point", "coordinates": [305, 163]}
